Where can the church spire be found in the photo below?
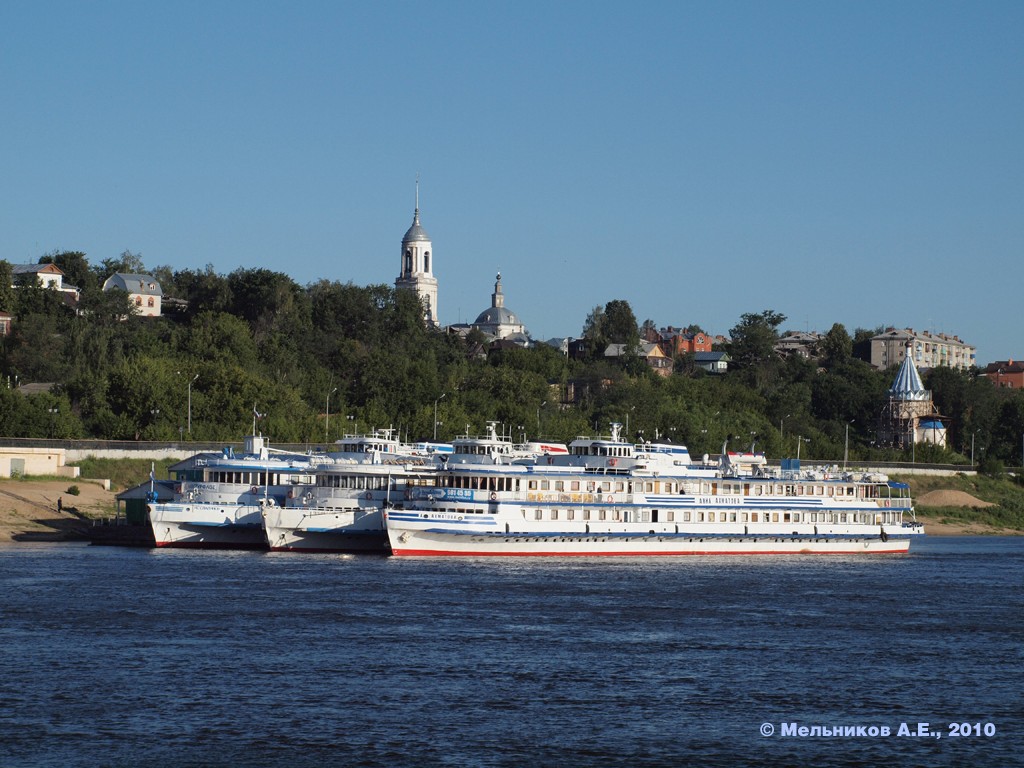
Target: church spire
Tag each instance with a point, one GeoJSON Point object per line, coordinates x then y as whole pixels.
{"type": "Point", "coordinates": [416, 213]}
{"type": "Point", "coordinates": [497, 298]}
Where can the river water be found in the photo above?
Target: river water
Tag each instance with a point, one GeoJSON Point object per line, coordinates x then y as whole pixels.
{"type": "Point", "coordinates": [126, 657]}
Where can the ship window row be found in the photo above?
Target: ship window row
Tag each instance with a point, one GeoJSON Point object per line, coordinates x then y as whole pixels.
{"type": "Point", "coordinates": [250, 478]}
{"type": "Point", "coordinates": [497, 483]}
{"type": "Point", "coordinates": [687, 516]}
{"type": "Point", "coordinates": [714, 488]}
{"type": "Point", "coordinates": [360, 482]}
{"type": "Point", "coordinates": [368, 448]}
{"type": "Point", "coordinates": [475, 483]}
{"type": "Point", "coordinates": [592, 486]}
{"type": "Point", "coordinates": [481, 450]}
{"type": "Point", "coordinates": [611, 451]}
{"type": "Point", "coordinates": [788, 489]}
{"type": "Point", "coordinates": [572, 514]}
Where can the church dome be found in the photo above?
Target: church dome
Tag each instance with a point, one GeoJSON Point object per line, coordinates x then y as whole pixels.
{"type": "Point", "coordinates": [496, 319]}
{"type": "Point", "coordinates": [416, 233]}
{"type": "Point", "coordinates": [497, 316]}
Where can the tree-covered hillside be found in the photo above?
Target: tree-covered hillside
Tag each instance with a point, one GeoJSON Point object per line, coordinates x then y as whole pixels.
{"type": "Point", "coordinates": [321, 360]}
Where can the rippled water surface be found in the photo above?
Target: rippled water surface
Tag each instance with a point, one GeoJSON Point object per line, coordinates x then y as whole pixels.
{"type": "Point", "coordinates": [124, 657]}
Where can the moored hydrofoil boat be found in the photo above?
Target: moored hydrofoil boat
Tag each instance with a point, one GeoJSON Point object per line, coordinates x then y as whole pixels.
{"type": "Point", "coordinates": [219, 499]}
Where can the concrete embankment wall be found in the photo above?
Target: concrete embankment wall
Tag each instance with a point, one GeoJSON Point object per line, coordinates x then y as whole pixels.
{"type": "Point", "coordinates": [71, 451]}
{"type": "Point", "coordinates": [48, 457]}
{"type": "Point", "coordinates": [176, 454]}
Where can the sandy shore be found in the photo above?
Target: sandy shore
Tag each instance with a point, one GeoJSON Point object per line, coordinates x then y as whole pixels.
{"type": "Point", "coordinates": [28, 512]}
{"type": "Point", "coordinates": [933, 527]}
{"type": "Point", "coordinates": [28, 509]}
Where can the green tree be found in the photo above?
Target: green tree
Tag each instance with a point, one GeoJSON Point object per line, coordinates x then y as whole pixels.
{"type": "Point", "coordinates": [752, 348]}
{"type": "Point", "coordinates": [262, 297]}
{"type": "Point", "coordinates": [836, 346]}
{"type": "Point", "coordinates": [854, 393]}
{"type": "Point", "coordinates": [620, 324]}
{"type": "Point", "coordinates": [220, 337]}
{"type": "Point", "coordinates": [7, 297]}
{"type": "Point", "coordinates": [105, 307]}
{"type": "Point", "coordinates": [595, 333]}
{"type": "Point", "coordinates": [205, 291]}
{"type": "Point", "coordinates": [30, 298]}
{"type": "Point", "coordinates": [614, 323]}
{"type": "Point", "coordinates": [1008, 440]}
{"type": "Point", "coordinates": [36, 349]}
{"type": "Point", "coordinates": [970, 403]}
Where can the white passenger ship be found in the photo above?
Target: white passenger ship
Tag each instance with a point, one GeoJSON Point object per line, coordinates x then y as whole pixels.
{"type": "Point", "coordinates": [342, 510]}
{"type": "Point", "coordinates": [219, 498]}
{"type": "Point", "coordinates": [609, 497]}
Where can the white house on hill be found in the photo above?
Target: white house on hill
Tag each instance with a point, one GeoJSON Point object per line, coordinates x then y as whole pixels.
{"type": "Point", "coordinates": [45, 276]}
{"type": "Point", "coordinates": [144, 291]}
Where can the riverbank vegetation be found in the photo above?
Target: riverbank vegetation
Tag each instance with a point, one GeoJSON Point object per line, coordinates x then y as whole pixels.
{"type": "Point", "coordinates": [307, 364]}
{"type": "Point", "coordinates": [1002, 495]}
{"type": "Point", "coordinates": [124, 473]}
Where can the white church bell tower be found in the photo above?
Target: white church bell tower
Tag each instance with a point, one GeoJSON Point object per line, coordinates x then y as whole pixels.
{"type": "Point", "coordinates": [417, 270]}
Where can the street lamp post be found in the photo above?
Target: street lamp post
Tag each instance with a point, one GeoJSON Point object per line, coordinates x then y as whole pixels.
{"type": "Point", "coordinates": [846, 448]}
{"type": "Point", "coordinates": [53, 419]}
{"type": "Point", "coordinates": [972, 447]}
{"type": "Point", "coordinates": [327, 418]}
{"type": "Point", "coordinates": [538, 417]}
{"type": "Point", "coordinates": [442, 397]}
{"type": "Point", "coordinates": [799, 441]}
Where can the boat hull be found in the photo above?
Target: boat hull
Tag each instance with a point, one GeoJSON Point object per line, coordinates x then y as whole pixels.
{"type": "Point", "coordinates": [295, 529]}
{"type": "Point", "coordinates": [405, 542]}
{"type": "Point", "coordinates": [202, 526]}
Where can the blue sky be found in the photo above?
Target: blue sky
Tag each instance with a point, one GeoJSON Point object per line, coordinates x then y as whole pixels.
{"type": "Point", "coordinates": [859, 163]}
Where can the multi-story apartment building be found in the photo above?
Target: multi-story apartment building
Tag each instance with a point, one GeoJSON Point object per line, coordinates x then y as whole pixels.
{"type": "Point", "coordinates": [928, 350]}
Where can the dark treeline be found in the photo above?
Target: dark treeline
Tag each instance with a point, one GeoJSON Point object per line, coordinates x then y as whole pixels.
{"type": "Point", "coordinates": [329, 358]}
